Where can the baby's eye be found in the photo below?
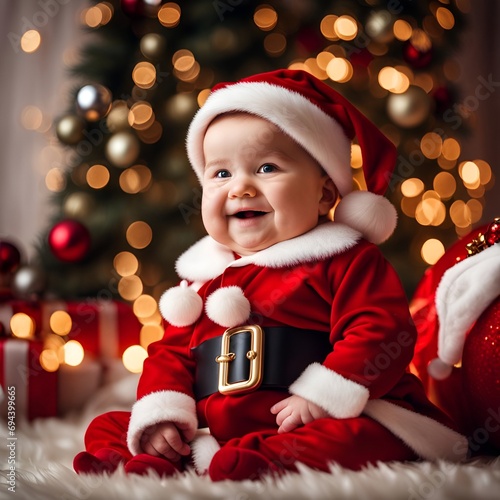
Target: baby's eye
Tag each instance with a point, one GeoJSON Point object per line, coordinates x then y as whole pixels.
{"type": "Point", "coordinates": [222, 174]}
{"type": "Point", "coordinates": [267, 168]}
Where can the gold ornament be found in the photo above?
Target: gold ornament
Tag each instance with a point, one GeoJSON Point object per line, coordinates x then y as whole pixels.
{"type": "Point", "coordinates": [117, 118]}
{"type": "Point", "coordinates": [79, 205]}
{"type": "Point", "coordinates": [122, 149]}
{"type": "Point", "coordinates": [153, 46]}
{"type": "Point", "coordinates": [410, 108]}
{"type": "Point", "coordinates": [69, 129]}
{"type": "Point", "coordinates": [93, 102]}
{"type": "Point", "coordinates": [180, 108]}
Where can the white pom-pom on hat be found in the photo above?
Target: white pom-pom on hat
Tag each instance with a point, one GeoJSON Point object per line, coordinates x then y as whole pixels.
{"type": "Point", "coordinates": [228, 307]}
{"type": "Point", "coordinates": [438, 369]}
{"type": "Point", "coordinates": [371, 214]}
{"type": "Point", "coordinates": [180, 305]}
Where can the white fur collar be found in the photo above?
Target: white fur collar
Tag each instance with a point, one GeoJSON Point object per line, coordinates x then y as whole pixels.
{"type": "Point", "coordinates": [207, 259]}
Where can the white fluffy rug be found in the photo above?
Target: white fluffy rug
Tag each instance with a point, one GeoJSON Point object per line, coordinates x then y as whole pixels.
{"type": "Point", "coordinates": [45, 450]}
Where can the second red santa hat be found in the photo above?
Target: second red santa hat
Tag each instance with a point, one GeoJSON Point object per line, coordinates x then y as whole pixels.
{"type": "Point", "coordinates": [324, 123]}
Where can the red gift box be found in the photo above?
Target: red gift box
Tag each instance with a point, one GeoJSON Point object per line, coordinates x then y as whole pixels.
{"type": "Point", "coordinates": [104, 328]}
{"type": "Point", "coordinates": [33, 390]}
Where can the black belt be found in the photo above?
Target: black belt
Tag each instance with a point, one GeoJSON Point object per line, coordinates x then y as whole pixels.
{"type": "Point", "coordinates": [250, 357]}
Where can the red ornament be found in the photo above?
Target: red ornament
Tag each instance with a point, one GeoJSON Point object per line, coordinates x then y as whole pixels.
{"type": "Point", "coordinates": [481, 376]}
{"type": "Point", "coordinates": [10, 257]}
{"type": "Point", "coordinates": [69, 240]}
{"type": "Point", "coordinates": [492, 234]}
{"type": "Point", "coordinates": [417, 58]}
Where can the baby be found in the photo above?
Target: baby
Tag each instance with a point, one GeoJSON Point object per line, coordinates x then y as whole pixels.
{"type": "Point", "coordinates": [288, 339]}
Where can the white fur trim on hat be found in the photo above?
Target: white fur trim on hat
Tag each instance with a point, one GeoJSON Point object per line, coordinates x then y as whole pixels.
{"type": "Point", "coordinates": [464, 292]}
{"type": "Point", "coordinates": [339, 396]}
{"type": "Point", "coordinates": [158, 407]}
{"type": "Point", "coordinates": [371, 214]}
{"type": "Point", "coordinates": [228, 307]}
{"type": "Point", "coordinates": [181, 305]}
{"type": "Point", "coordinates": [313, 129]}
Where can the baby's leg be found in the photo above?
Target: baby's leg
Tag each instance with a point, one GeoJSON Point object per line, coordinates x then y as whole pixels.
{"type": "Point", "coordinates": [105, 444]}
{"type": "Point", "coordinates": [352, 443]}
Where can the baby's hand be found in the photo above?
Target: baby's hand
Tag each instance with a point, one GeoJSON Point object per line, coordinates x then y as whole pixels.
{"type": "Point", "coordinates": [294, 411]}
{"type": "Point", "coordinates": [168, 440]}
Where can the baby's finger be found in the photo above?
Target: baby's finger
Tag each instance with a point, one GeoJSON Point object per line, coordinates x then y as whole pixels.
{"type": "Point", "coordinates": [283, 414]}
{"type": "Point", "coordinates": [289, 424]}
{"type": "Point", "coordinates": [279, 406]}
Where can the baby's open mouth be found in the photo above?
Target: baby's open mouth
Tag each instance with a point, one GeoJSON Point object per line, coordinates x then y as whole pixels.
{"type": "Point", "coordinates": [248, 214]}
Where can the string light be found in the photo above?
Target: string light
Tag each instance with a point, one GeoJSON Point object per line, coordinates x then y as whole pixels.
{"type": "Point", "coordinates": [22, 326]}
{"type": "Point", "coordinates": [402, 30]}
{"type": "Point", "coordinates": [130, 287]}
{"type": "Point", "coordinates": [445, 18]}
{"type": "Point", "coordinates": [139, 234]}
{"type": "Point", "coordinates": [144, 306]}
{"type": "Point", "coordinates": [60, 322]}
{"type": "Point", "coordinates": [73, 353]}
{"type": "Point", "coordinates": [169, 15]}
{"type": "Point", "coordinates": [54, 180]}
{"type": "Point", "coordinates": [150, 334]}
{"type": "Point", "coordinates": [97, 176]}
{"type": "Point", "coordinates": [265, 17]}
{"type": "Point", "coordinates": [30, 41]}
{"type": "Point", "coordinates": [144, 75]}
{"type": "Point", "coordinates": [133, 358]}
{"type": "Point", "coordinates": [432, 250]}
{"type": "Point", "coordinates": [49, 360]}
{"type": "Point", "coordinates": [412, 187]}
{"type": "Point", "coordinates": [345, 28]}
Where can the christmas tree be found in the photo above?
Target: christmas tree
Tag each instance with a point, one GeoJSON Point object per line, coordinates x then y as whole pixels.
{"type": "Point", "coordinates": [128, 203]}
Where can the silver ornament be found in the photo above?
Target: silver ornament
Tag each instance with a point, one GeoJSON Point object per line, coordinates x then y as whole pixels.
{"type": "Point", "coordinates": [29, 282]}
{"type": "Point", "coordinates": [153, 46]}
{"type": "Point", "coordinates": [93, 102]}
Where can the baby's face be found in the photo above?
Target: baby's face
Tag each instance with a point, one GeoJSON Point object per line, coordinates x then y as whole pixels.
{"type": "Point", "coordinates": [259, 186]}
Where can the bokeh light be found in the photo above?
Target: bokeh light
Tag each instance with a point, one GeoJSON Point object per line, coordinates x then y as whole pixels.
{"type": "Point", "coordinates": [133, 358]}
{"type": "Point", "coordinates": [22, 326]}
{"type": "Point", "coordinates": [432, 250]}
{"type": "Point", "coordinates": [169, 15]}
{"type": "Point", "coordinates": [30, 41]}
{"type": "Point", "coordinates": [60, 322]}
{"type": "Point", "coordinates": [73, 353]}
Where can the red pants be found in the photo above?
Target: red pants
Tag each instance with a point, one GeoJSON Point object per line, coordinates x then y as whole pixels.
{"type": "Point", "coordinates": [352, 443]}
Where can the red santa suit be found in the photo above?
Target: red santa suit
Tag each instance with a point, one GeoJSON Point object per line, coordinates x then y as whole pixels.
{"type": "Point", "coordinates": [327, 280]}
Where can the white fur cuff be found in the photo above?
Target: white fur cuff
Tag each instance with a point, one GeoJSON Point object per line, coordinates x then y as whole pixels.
{"type": "Point", "coordinates": [426, 437]}
{"type": "Point", "coordinates": [158, 407]}
{"type": "Point", "coordinates": [340, 397]}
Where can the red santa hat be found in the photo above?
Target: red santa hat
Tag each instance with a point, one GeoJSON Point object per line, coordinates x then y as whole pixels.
{"type": "Point", "coordinates": [324, 123]}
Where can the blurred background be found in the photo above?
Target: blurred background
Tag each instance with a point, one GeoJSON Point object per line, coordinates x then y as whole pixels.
{"type": "Point", "coordinates": [95, 189]}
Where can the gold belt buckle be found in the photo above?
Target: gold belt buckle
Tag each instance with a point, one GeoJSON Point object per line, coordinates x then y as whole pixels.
{"type": "Point", "coordinates": [255, 355]}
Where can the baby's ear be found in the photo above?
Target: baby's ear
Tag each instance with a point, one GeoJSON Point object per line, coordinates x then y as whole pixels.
{"type": "Point", "coordinates": [329, 196]}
